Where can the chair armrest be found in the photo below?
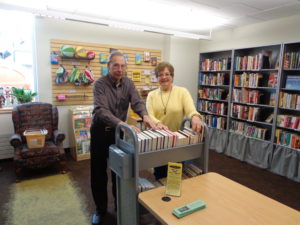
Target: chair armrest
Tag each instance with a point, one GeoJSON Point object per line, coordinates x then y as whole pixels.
{"type": "Point", "coordinates": [16, 141]}
{"type": "Point", "coordinates": [59, 137]}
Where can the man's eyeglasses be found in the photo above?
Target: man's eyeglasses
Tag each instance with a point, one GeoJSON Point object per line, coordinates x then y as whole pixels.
{"type": "Point", "coordinates": [117, 66]}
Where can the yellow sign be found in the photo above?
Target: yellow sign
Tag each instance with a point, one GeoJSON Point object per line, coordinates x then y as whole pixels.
{"type": "Point", "coordinates": [173, 186]}
{"type": "Point", "coordinates": [136, 76]}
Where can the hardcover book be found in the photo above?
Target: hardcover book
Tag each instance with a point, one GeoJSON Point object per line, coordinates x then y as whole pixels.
{"type": "Point", "coordinates": [292, 82]}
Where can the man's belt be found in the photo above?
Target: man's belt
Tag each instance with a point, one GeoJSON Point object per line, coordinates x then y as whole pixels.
{"type": "Point", "coordinates": [108, 129]}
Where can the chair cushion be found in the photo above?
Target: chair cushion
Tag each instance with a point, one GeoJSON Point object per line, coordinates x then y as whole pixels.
{"type": "Point", "coordinates": [49, 149]}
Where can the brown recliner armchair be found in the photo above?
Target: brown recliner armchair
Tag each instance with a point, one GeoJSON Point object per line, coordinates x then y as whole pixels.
{"type": "Point", "coordinates": [37, 115]}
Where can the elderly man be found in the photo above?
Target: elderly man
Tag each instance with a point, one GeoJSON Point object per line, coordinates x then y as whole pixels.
{"type": "Point", "coordinates": [112, 95]}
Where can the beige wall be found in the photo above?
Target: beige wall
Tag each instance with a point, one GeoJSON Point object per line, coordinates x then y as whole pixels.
{"type": "Point", "coordinates": [182, 53]}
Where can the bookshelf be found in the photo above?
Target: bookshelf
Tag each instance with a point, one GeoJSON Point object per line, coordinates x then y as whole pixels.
{"type": "Point", "coordinates": [254, 89]}
{"type": "Point", "coordinates": [287, 124]}
{"type": "Point", "coordinates": [213, 94]}
{"type": "Point", "coordinates": [81, 118]}
{"type": "Point", "coordinates": [263, 105]}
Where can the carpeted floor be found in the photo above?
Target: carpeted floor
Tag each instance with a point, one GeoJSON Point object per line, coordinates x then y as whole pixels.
{"type": "Point", "coordinates": [47, 200]}
{"type": "Point", "coordinates": [276, 187]}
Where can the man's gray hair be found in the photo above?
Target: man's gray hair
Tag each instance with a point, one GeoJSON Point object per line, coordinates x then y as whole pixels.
{"type": "Point", "coordinates": [115, 53]}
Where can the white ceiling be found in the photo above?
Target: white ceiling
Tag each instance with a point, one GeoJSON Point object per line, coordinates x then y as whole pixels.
{"type": "Point", "coordinates": [165, 15]}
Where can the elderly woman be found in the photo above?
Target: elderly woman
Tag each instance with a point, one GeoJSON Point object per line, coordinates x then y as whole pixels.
{"type": "Point", "coordinates": [169, 104]}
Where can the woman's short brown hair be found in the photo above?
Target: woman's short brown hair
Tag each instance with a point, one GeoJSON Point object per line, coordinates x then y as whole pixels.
{"type": "Point", "coordinates": [161, 66]}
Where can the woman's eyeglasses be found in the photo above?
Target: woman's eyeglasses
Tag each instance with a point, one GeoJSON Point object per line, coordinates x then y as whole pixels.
{"type": "Point", "coordinates": [163, 75]}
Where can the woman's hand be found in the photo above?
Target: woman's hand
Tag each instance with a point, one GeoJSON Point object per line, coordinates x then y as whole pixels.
{"type": "Point", "coordinates": [160, 126]}
{"type": "Point", "coordinates": [197, 124]}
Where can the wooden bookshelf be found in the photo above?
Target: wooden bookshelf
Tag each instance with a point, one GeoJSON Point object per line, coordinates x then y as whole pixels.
{"type": "Point", "coordinates": [81, 118]}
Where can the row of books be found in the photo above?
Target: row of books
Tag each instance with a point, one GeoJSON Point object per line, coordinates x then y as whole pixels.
{"type": "Point", "coordinates": [288, 121]}
{"type": "Point", "coordinates": [214, 79]}
{"type": "Point", "coordinates": [291, 60]}
{"type": "Point", "coordinates": [215, 121]}
{"type": "Point", "coordinates": [82, 139]}
{"type": "Point", "coordinates": [289, 101]}
{"type": "Point", "coordinates": [246, 112]}
{"type": "Point", "coordinates": [82, 121]}
{"type": "Point", "coordinates": [288, 139]}
{"type": "Point", "coordinates": [248, 130]}
{"type": "Point", "coordinates": [246, 96]}
{"type": "Point", "coordinates": [216, 64]}
{"type": "Point", "coordinates": [248, 79]}
{"type": "Point", "coordinates": [152, 140]}
{"type": "Point", "coordinates": [213, 93]}
{"type": "Point", "coordinates": [212, 107]}
{"type": "Point", "coordinates": [257, 62]}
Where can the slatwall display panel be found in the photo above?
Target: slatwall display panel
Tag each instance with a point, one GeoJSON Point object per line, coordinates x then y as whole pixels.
{"type": "Point", "coordinates": [83, 95]}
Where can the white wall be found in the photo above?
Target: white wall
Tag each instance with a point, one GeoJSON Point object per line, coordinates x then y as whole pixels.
{"type": "Point", "coordinates": [184, 55]}
{"type": "Point", "coordinates": [266, 33]}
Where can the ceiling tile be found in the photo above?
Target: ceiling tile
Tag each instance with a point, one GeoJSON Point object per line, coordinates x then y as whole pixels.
{"type": "Point", "coordinates": [215, 3]}
{"type": "Point", "coordinates": [238, 10]}
{"type": "Point", "coordinates": [267, 4]}
{"type": "Point", "coordinates": [284, 11]}
{"type": "Point", "coordinates": [245, 21]}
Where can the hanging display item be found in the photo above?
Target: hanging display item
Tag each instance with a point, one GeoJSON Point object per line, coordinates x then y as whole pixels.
{"type": "Point", "coordinates": [103, 57]}
{"type": "Point", "coordinates": [90, 55]}
{"type": "Point", "coordinates": [87, 76]}
{"type": "Point", "coordinates": [74, 76]}
{"type": "Point", "coordinates": [138, 59]}
{"type": "Point", "coordinates": [146, 56]}
{"type": "Point", "coordinates": [104, 70]}
{"type": "Point", "coordinates": [136, 76]}
{"type": "Point", "coordinates": [67, 51]}
{"type": "Point", "coordinates": [54, 58]}
{"type": "Point", "coordinates": [80, 52]}
{"type": "Point", "coordinates": [61, 75]}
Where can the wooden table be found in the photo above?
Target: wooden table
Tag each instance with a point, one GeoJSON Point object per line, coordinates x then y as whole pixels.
{"type": "Point", "coordinates": [228, 203]}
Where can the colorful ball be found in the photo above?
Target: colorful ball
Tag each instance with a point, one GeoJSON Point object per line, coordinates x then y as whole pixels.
{"type": "Point", "coordinates": [67, 51]}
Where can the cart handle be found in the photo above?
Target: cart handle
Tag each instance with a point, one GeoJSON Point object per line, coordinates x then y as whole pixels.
{"type": "Point", "coordinates": [130, 134]}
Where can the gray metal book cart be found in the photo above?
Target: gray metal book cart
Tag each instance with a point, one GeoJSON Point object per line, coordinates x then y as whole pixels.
{"type": "Point", "coordinates": [126, 161]}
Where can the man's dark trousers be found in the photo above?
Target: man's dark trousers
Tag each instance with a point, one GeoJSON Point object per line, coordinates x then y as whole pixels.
{"type": "Point", "coordinates": [101, 138]}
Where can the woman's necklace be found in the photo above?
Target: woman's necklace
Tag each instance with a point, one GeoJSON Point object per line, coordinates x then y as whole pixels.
{"type": "Point", "coordinates": [165, 105]}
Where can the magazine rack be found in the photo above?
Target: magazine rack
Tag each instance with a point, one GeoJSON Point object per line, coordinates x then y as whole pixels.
{"type": "Point", "coordinates": [126, 161]}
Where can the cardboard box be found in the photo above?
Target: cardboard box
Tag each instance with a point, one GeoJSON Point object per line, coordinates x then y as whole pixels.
{"type": "Point", "coordinates": [35, 137]}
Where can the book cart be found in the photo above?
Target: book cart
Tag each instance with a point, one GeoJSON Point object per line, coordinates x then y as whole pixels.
{"type": "Point", "coordinates": [126, 161]}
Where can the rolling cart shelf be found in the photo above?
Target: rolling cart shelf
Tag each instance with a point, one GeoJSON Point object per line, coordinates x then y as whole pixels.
{"type": "Point", "coordinates": [162, 157]}
{"type": "Point", "coordinates": [126, 161]}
